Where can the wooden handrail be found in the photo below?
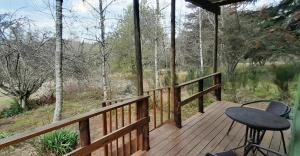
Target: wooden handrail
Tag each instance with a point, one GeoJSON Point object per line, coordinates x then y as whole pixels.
{"type": "Point", "coordinates": [108, 138]}
{"type": "Point", "coordinates": [156, 89]}
{"type": "Point", "coordinates": [199, 94]}
{"type": "Point", "coordinates": [63, 123]}
{"type": "Point", "coordinates": [178, 102]}
{"type": "Point", "coordinates": [196, 80]}
{"type": "Point", "coordinates": [117, 100]}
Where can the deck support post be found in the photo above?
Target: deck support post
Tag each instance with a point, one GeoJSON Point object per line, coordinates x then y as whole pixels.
{"type": "Point", "coordinates": [84, 130]}
{"type": "Point", "coordinates": [218, 91]}
{"type": "Point", "coordinates": [200, 99]}
{"type": "Point", "coordinates": [138, 49]}
{"type": "Point", "coordinates": [174, 95]}
{"type": "Point", "coordinates": [215, 66]}
{"type": "Point", "coordinates": [143, 132]}
{"type": "Point", "coordinates": [177, 107]}
{"type": "Point", "coordinates": [104, 125]}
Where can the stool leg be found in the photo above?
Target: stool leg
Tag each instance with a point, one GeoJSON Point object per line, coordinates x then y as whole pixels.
{"type": "Point", "coordinates": [283, 142]}
{"type": "Point", "coordinates": [230, 127]}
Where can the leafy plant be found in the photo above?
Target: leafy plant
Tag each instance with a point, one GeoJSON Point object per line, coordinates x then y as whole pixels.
{"type": "Point", "coordinates": [59, 142]}
{"type": "Point", "coordinates": [13, 110]}
{"type": "Point", "coordinates": [283, 74]}
{"type": "Point", "coordinates": [4, 135]}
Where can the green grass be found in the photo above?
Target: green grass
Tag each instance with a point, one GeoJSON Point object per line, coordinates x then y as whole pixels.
{"type": "Point", "coordinates": [6, 101]}
{"type": "Point", "coordinates": [43, 115]}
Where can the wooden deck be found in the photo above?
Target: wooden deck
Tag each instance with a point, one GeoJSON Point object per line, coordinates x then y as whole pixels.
{"type": "Point", "coordinates": [204, 133]}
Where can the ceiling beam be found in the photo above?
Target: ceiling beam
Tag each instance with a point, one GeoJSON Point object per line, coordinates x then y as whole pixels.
{"type": "Point", "coordinates": [226, 2]}
{"type": "Point", "coordinates": [207, 5]}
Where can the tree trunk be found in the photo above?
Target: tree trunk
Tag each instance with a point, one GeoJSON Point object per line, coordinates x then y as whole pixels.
{"type": "Point", "coordinates": [156, 44]}
{"type": "Point", "coordinates": [58, 63]}
{"type": "Point", "coordinates": [103, 52]}
{"type": "Point", "coordinates": [200, 40]}
{"type": "Point", "coordinates": [23, 102]}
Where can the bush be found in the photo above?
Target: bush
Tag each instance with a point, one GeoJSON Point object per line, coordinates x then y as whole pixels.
{"type": "Point", "coordinates": [283, 74]}
{"type": "Point", "coordinates": [3, 135]}
{"type": "Point", "coordinates": [59, 142]}
{"type": "Point", "coordinates": [13, 110]}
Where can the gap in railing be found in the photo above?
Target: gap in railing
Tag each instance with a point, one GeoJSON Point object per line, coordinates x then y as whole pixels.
{"type": "Point", "coordinates": [159, 107]}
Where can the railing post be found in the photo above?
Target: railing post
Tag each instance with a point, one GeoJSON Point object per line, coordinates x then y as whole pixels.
{"type": "Point", "coordinates": [200, 99]}
{"type": "Point", "coordinates": [218, 80]}
{"type": "Point", "coordinates": [143, 132]}
{"type": "Point", "coordinates": [177, 106]}
{"type": "Point", "coordinates": [169, 103]}
{"type": "Point", "coordinates": [84, 130]}
{"type": "Point", "coordinates": [105, 129]}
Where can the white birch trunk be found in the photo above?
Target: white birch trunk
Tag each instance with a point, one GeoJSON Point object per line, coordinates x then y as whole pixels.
{"type": "Point", "coordinates": [103, 52]}
{"type": "Point", "coordinates": [156, 45]}
{"type": "Point", "coordinates": [58, 63]}
{"type": "Point", "coordinates": [200, 40]}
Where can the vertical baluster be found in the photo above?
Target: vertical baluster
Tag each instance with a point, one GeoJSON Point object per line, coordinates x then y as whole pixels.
{"type": "Point", "coordinates": [110, 128]}
{"type": "Point", "coordinates": [169, 103]}
{"type": "Point", "coordinates": [137, 131]}
{"type": "Point", "coordinates": [116, 124]}
{"type": "Point", "coordinates": [84, 130]}
{"type": "Point", "coordinates": [129, 120]}
{"type": "Point", "coordinates": [161, 107]}
{"type": "Point", "coordinates": [105, 129]}
{"type": "Point", "coordinates": [122, 124]}
{"type": "Point", "coordinates": [116, 127]}
{"type": "Point", "coordinates": [154, 109]}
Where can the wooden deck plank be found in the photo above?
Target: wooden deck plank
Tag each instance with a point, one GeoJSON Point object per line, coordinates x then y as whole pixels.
{"type": "Point", "coordinates": [204, 133]}
{"type": "Point", "coordinates": [286, 137]}
{"type": "Point", "coordinates": [182, 148]}
{"type": "Point", "coordinates": [275, 143]}
{"type": "Point", "coordinates": [179, 132]}
{"type": "Point", "coordinates": [228, 139]}
{"type": "Point", "coordinates": [179, 137]}
{"type": "Point", "coordinates": [200, 146]}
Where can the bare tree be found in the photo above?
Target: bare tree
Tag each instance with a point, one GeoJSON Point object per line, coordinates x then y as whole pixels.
{"type": "Point", "coordinates": [200, 39]}
{"type": "Point", "coordinates": [25, 62]}
{"type": "Point", "coordinates": [58, 62]}
{"type": "Point", "coordinates": [102, 44]}
{"type": "Point", "coordinates": [157, 12]}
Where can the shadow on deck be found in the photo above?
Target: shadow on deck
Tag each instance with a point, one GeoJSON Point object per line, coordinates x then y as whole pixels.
{"type": "Point", "coordinates": [204, 133]}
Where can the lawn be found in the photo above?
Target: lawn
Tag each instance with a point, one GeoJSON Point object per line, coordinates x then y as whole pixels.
{"type": "Point", "coordinates": [77, 104]}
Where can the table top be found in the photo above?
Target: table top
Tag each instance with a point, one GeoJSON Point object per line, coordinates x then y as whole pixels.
{"type": "Point", "coordinates": [257, 119]}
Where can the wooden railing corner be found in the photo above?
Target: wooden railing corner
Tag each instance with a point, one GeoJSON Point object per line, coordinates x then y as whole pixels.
{"type": "Point", "coordinates": [179, 102]}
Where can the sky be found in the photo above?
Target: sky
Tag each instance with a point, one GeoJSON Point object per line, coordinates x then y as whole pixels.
{"type": "Point", "coordinates": [78, 15]}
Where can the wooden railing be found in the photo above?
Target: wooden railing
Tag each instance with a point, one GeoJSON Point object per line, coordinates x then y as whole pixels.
{"type": "Point", "coordinates": [135, 126]}
{"type": "Point", "coordinates": [160, 106]}
{"type": "Point", "coordinates": [178, 102]}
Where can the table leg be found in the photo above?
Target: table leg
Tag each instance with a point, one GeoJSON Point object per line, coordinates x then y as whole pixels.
{"type": "Point", "coordinates": [246, 144]}
{"type": "Point", "coordinates": [253, 140]}
{"type": "Point", "coordinates": [283, 142]}
{"type": "Point", "coordinates": [246, 135]}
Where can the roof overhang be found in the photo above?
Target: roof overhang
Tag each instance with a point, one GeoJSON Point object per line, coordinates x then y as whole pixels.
{"type": "Point", "coordinates": [213, 5]}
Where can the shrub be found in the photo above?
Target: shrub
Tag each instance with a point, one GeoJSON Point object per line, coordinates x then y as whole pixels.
{"type": "Point", "coordinates": [59, 142]}
{"type": "Point", "coordinates": [13, 110]}
{"type": "Point", "coordinates": [283, 74]}
{"type": "Point", "coordinates": [3, 135]}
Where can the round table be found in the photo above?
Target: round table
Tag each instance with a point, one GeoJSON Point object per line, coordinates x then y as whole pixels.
{"type": "Point", "coordinates": [257, 122]}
